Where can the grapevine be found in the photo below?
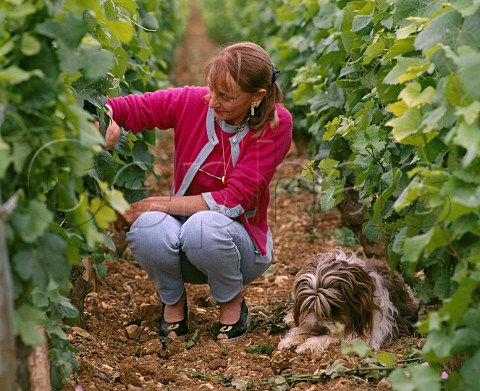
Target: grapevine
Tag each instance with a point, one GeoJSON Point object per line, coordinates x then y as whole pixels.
{"type": "Point", "coordinates": [58, 63]}
{"type": "Point", "coordinates": [388, 95]}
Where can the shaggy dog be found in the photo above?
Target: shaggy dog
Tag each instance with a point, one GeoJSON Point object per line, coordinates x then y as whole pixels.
{"type": "Point", "coordinates": [339, 294]}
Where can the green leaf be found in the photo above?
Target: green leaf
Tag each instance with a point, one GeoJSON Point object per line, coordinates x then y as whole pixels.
{"type": "Point", "coordinates": [465, 341]}
{"type": "Point", "coordinates": [121, 30]}
{"type": "Point", "coordinates": [66, 308]}
{"type": "Point", "coordinates": [438, 345]}
{"type": "Point", "coordinates": [432, 119]}
{"type": "Point", "coordinates": [104, 215]}
{"type": "Point", "coordinates": [454, 93]}
{"type": "Point", "coordinates": [30, 45]}
{"type": "Point", "coordinates": [372, 139]}
{"type": "Point", "coordinates": [419, 8]}
{"type": "Point", "coordinates": [469, 34]}
{"type": "Point", "coordinates": [142, 156]}
{"type": "Point", "coordinates": [460, 226]}
{"type": "Point", "coordinates": [260, 349]}
{"type": "Point", "coordinates": [469, 113]}
{"type": "Point", "coordinates": [105, 167]}
{"type": "Point", "coordinates": [5, 157]}
{"type": "Point", "coordinates": [405, 32]}
{"type": "Point", "coordinates": [387, 359]}
{"type": "Point", "coordinates": [413, 95]}
{"type": "Point", "coordinates": [68, 33]}
{"type": "Point", "coordinates": [7, 47]}
{"type": "Point", "coordinates": [116, 200]}
{"type": "Point", "coordinates": [357, 346]}
{"type": "Point", "coordinates": [443, 29]}
{"type": "Point", "coordinates": [465, 7]}
{"type": "Point", "coordinates": [31, 221]}
{"type": "Point", "coordinates": [407, 68]}
{"type": "Point", "coordinates": [335, 369]}
{"type": "Point", "coordinates": [15, 75]}
{"type": "Point", "coordinates": [441, 278]}
{"type": "Point", "coordinates": [96, 62]}
{"type": "Point", "coordinates": [415, 378]}
{"type": "Point", "coordinates": [83, 219]}
{"type": "Point", "coordinates": [131, 177]}
{"type": "Point", "coordinates": [401, 46]}
{"type": "Point", "coordinates": [130, 5]}
{"type": "Point", "coordinates": [27, 319]}
{"type": "Point", "coordinates": [346, 237]}
{"type": "Point", "coordinates": [52, 258]}
{"type": "Point", "coordinates": [332, 193]}
{"type": "Point", "coordinates": [469, 373]}
{"type": "Point", "coordinates": [460, 192]}
{"type": "Point", "coordinates": [360, 22]}
{"type": "Point", "coordinates": [397, 108]}
{"type": "Point", "coordinates": [438, 238]}
{"type": "Point", "coordinates": [21, 152]}
{"type": "Point", "coordinates": [328, 167]}
{"type": "Point", "coordinates": [472, 319]}
{"type": "Point", "coordinates": [457, 305]}
{"type": "Point", "coordinates": [308, 171]}
{"type": "Point", "coordinates": [409, 195]}
{"type": "Point", "coordinates": [374, 49]}
{"type": "Point", "coordinates": [23, 262]}
{"type": "Point", "coordinates": [468, 74]}
{"type": "Point", "coordinates": [405, 128]}
{"type": "Point", "coordinates": [413, 247]}
{"type": "Point", "coordinates": [453, 210]}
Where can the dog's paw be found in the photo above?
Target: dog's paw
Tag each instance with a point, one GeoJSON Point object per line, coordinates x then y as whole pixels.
{"type": "Point", "coordinates": [288, 319]}
{"type": "Point", "coordinates": [293, 338]}
{"type": "Point", "coordinates": [316, 344]}
{"type": "Point", "coordinates": [286, 343]}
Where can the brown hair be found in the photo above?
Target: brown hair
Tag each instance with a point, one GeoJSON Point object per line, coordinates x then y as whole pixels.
{"type": "Point", "coordinates": [251, 68]}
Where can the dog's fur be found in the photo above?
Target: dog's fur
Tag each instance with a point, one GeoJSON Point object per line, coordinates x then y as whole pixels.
{"type": "Point", "coordinates": [337, 292]}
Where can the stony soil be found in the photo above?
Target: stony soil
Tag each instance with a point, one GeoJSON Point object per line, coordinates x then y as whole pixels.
{"type": "Point", "coordinates": [119, 348]}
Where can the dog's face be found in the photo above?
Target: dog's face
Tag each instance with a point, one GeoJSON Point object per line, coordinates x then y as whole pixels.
{"type": "Point", "coordinates": [329, 292]}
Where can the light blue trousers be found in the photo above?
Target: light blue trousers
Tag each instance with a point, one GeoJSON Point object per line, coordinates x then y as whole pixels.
{"type": "Point", "coordinates": [206, 248]}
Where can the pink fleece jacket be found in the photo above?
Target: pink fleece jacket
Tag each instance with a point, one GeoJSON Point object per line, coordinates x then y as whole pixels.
{"type": "Point", "coordinates": [200, 143]}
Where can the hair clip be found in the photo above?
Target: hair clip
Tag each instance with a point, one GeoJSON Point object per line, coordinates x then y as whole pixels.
{"type": "Point", "coordinates": [275, 74]}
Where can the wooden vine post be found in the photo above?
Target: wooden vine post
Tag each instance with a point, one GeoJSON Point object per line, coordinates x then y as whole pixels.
{"type": "Point", "coordinates": [7, 340]}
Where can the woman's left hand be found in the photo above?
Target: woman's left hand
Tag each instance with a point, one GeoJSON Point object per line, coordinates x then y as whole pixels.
{"type": "Point", "coordinates": [124, 221]}
{"type": "Point", "coordinates": [180, 206]}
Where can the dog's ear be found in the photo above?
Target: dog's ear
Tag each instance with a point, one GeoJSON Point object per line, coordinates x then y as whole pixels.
{"type": "Point", "coordinates": [401, 298]}
{"type": "Point", "coordinates": [297, 299]}
{"type": "Point", "coordinates": [303, 288]}
{"type": "Point", "coordinates": [359, 306]}
{"type": "Point", "coordinates": [296, 312]}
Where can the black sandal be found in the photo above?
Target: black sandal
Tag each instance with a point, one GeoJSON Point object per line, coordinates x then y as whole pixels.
{"type": "Point", "coordinates": [235, 332]}
{"type": "Point", "coordinates": [180, 328]}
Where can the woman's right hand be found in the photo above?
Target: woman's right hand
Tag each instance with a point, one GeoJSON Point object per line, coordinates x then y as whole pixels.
{"type": "Point", "coordinates": [112, 135]}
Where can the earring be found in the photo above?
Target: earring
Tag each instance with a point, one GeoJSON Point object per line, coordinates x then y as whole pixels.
{"type": "Point", "coordinates": [252, 108]}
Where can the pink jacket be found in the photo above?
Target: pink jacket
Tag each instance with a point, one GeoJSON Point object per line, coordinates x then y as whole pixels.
{"type": "Point", "coordinates": [252, 164]}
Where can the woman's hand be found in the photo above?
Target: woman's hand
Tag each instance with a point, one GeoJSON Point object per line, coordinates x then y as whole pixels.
{"type": "Point", "coordinates": [179, 206]}
{"type": "Point", "coordinates": [112, 135]}
{"type": "Point", "coordinates": [124, 221]}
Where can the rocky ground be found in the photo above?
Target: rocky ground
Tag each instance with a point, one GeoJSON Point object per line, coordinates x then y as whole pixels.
{"type": "Point", "coordinates": [119, 348]}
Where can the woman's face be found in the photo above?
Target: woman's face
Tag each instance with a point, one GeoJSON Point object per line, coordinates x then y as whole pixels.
{"type": "Point", "coordinates": [230, 104]}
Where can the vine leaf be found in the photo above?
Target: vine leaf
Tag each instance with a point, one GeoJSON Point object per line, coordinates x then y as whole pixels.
{"type": "Point", "coordinates": [442, 29]}
{"type": "Point", "coordinates": [416, 378]}
{"type": "Point", "coordinates": [27, 319]}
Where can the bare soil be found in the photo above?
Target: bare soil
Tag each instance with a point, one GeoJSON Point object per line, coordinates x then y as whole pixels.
{"type": "Point", "coordinates": [118, 345]}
